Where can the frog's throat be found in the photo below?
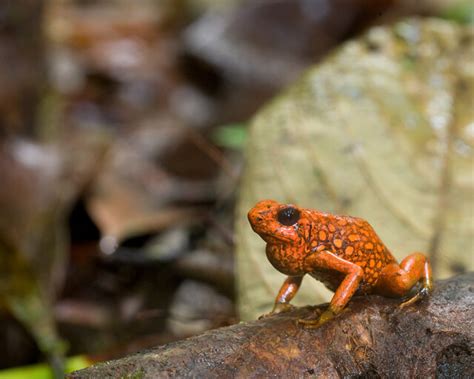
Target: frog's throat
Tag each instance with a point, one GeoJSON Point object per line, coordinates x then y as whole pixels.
{"type": "Point", "coordinates": [287, 259]}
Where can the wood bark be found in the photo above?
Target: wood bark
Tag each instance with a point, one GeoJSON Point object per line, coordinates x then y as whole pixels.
{"type": "Point", "coordinates": [373, 338]}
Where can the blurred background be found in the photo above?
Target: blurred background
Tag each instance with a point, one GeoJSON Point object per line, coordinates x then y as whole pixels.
{"type": "Point", "coordinates": [122, 128]}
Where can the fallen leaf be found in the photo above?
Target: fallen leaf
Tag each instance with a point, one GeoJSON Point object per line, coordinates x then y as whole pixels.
{"type": "Point", "coordinates": [383, 130]}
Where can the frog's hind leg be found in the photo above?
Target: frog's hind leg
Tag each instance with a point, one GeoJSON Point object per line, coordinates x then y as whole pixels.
{"type": "Point", "coordinates": [397, 280]}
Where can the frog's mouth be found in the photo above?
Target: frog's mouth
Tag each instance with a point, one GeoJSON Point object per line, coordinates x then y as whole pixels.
{"type": "Point", "coordinates": [264, 234]}
{"type": "Point", "coordinates": [271, 237]}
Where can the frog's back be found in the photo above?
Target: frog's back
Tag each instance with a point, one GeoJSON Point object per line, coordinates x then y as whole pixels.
{"type": "Point", "coordinates": [354, 240]}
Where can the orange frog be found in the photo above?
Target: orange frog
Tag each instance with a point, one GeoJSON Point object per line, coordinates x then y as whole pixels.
{"type": "Point", "coordinates": [343, 252]}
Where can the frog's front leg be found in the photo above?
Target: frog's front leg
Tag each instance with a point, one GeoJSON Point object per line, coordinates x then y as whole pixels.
{"type": "Point", "coordinates": [287, 292]}
{"type": "Point", "coordinates": [347, 288]}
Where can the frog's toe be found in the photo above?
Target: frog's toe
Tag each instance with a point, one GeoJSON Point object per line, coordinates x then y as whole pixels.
{"type": "Point", "coordinates": [422, 293]}
{"type": "Point", "coordinates": [410, 301]}
{"type": "Point", "coordinates": [278, 308]}
{"type": "Point", "coordinates": [317, 322]}
{"type": "Point", "coordinates": [309, 324]}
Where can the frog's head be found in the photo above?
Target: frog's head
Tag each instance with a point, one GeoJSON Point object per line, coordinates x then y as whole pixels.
{"type": "Point", "coordinates": [278, 223]}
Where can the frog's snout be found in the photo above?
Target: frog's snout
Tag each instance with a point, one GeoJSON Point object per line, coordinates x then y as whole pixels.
{"type": "Point", "coordinates": [254, 217]}
{"type": "Point", "coordinates": [258, 215]}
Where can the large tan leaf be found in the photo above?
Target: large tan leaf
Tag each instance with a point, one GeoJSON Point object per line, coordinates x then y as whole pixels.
{"type": "Point", "coordinates": [384, 130]}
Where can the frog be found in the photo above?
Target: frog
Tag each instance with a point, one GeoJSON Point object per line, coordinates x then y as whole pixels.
{"type": "Point", "coordinates": [342, 252]}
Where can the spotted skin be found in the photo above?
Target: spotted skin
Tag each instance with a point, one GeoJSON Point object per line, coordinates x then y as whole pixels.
{"type": "Point", "coordinates": [342, 252]}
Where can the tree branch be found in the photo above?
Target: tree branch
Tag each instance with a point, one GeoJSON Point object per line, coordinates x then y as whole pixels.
{"type": "Point", "coordinates": [372, 338]}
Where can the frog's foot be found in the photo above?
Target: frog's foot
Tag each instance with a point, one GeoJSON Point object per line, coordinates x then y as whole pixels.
{"type": "Point", "coordinates": [422, 293]}
{"type": "Point", "coordinates": [317, 322]}
{"type": "Point", "coordinates": [309, 324]}
{"type": "Point", "coordinates": [425, 291]}
{"type": "Point", "coordinates": [278, 308]}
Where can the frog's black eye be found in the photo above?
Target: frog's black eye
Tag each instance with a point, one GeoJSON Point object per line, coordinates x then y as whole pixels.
{"type": "Point", "coordinates": [288, 216]}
